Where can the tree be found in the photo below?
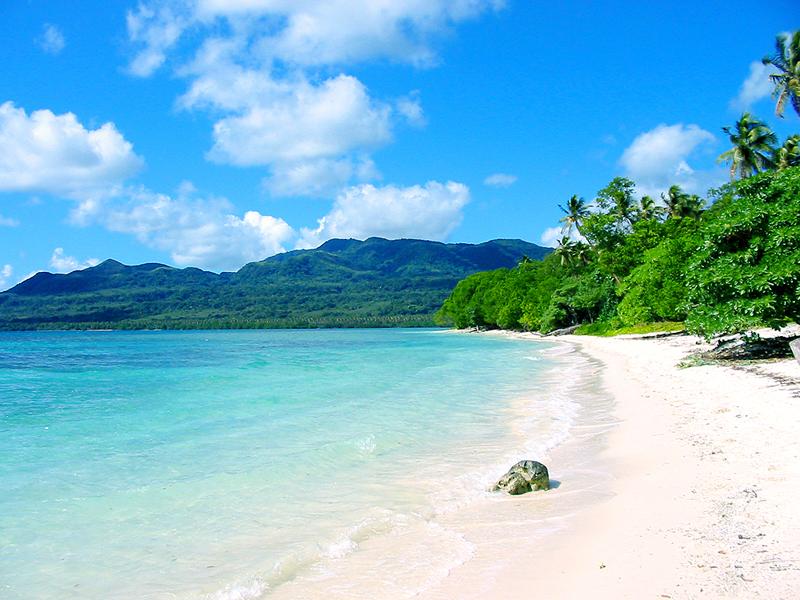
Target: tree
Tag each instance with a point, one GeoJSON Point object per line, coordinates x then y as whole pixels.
{"type": "Point", "coordinates": [648, 209]}
{"type": "Point", "coordinates": [565, 251]}
{"type": "Point", "coordinates": [746, 274]}
{"type": "Point", "coordinates": [617, 198]}
{"type": "Point", "coordinates": [788, 155]}
{"type": "Point", "coordinates": [574, 214]}
{"type": "Point", "coordinates": [680, 204]}
{"type": "Point", "coordinates": [753, 144]}
{"type": "Point", "coordinates": [787, 80]}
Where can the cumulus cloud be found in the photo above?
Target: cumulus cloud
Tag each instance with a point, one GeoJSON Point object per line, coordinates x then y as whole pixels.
{"type": "Point", "coordinates": [431, 211]}
{"type": "Point", "coordinates": [756, 87]}
{"type": "Point", "coordinates": [410, 107]}
{"type": "Point", "coordinates": [320, 177]}
{"type": "Point", "coordinates": [8, 222]}
{"type": "Point", "coordinates": [305, 122]}
{"type": "Point", "coordinates": [201, 232]}
{"type": "Point", "coordinates": [307, 33]}
{"type": "Point", "coordinates": [500, 180]}
{"type": "Point", "coordinates": [660, 157]}
{"type": "Point", "coordinates": [257, 68]}
{"type": "Point", "coordinates": [52, 39]}
{"type": "Point", "coordinates": [5, 276]}
{"type": "Point", "coordinates": [550, 236]}
{"type": "Point", "coordinates": [62, 263]}
{"type": "Point", "coordinates": [309, 135]}
{"type": "Point", "coordinates": [155, 28]}
{"type": "Point", "coordinates": [45, 152]}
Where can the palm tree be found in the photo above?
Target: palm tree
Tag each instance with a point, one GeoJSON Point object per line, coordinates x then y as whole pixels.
{"type": "Point", "coordinates": [582, 254]}
{"type": "Point", "coordinates": [680, 204]}
{"type": "Point", "coordinates": [565, 250]}
{"type": "Point", "coordinates": [648, 209]}
{"type": "Point", "coordinates": [625, 208]}
{"type": "Point", "coordinates": [574, 214]}
{"type": "Point", "coordinates": [753, 144]}
{"type": "Point", "coordinates": [788, 155]}
{"type": "Point", "coordinates": [692, 206]}
{"type": "Point", "coordinates": [787, 80]}
{"type": "Point", "coordinates": [617, 199]}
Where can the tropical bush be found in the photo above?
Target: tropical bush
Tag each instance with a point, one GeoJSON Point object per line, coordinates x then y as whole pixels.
{"type": "Point", "coordinates": [729, 268]}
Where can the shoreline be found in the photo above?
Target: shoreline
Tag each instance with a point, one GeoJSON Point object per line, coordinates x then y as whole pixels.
{"type": "Point", "coordinates": [705, 473]}
{"type": "Point", "coordinates": [459, 524]}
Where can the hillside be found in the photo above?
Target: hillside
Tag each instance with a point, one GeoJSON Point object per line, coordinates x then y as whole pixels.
{"type": "Point", "coordinates": [376, 282]}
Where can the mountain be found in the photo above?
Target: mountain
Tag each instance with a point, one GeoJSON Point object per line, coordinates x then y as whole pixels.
{"type": "Point", "coordinates": [343, 283]}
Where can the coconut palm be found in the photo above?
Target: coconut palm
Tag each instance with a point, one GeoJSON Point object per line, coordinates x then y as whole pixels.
{"type": "Point", "coordinates": [574, 214]}
{"type": "Point", "coordinates": [617, 199]}
{"type": "Point", "coordinates": [582, 253]}
{"type": "Point", "coordinates": [788, 155]}
{"type": "Point", "coordinates": [565, 250]}
{"type": "Point", "coordinates": [753, 144]}
{"type": "Point", "coordinates": [680, 204]}
{"type": "Point", "coordinates": [625, 209]}
{"type": "Point", "coordinates": [648, 209]}
{"type": "Point", "coordinates": [691, 206]}
{"type": "Point", "coordinates": [787, 80]}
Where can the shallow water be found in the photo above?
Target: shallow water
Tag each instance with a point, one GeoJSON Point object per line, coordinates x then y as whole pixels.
{"type": "Point", "coordinates": [227, 464]}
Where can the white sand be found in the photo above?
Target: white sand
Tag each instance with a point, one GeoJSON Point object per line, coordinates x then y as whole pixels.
{"type": "Point", "coordinates": [705, 486]}
{"type": "Point", "coordinates": [674, 483]}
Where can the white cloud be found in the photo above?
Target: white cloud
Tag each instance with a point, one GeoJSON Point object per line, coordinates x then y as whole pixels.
{"type": "Point", "coordinates": [5, 275]}
{"type": "Point", "coordinates": [320, 177]}
{"type": "Point", "coordinates": [313, 137]}
{"type": "Point", "coordinates": [550, 236]}
{"type": "Point", "coordinates": [258, 68]}
{"type": "Point", "coordinates": [756, 87]}
{"type": "Point", "coordinates": [8, 222]}
{"type": "Point", "coordinates": [659, 158]}
{"type": "Point", "coordinates": [431, 211]}
{"type": "Point", "coordinates": [195, 231]}
{"type": "Point", "coordinates": [52, 39]}
{"type": "Point", "coordinates": [306, 122]}
{"type": "Point", "coordinates": [410, 108]}
{"type": "Point", "coordinates": [156, 28]}
{"type": "Point", "coordinates": [500, 180]}
{"type": "Point", "coordinates": [54, 153]}
{"type": "Point", "coordinates": [62, 263]}
{"type": "Point", "coordinates": [307, 33]}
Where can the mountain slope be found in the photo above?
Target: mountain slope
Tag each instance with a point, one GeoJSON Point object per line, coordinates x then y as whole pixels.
{"type": "Point", "coordinates": [376, 282]}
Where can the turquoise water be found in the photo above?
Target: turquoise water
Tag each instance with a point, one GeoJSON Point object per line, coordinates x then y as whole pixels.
{"type": "Point", "coordinates": [223, 464]}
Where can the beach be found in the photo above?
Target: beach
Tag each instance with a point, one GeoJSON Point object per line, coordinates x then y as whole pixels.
{"type": "Point", "coordinates": [667, 482]}
{"type": "Point", "coordinates": [701, 497]}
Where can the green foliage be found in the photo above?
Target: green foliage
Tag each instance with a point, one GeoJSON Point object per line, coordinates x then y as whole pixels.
{"type": "Point", "coordinates": [753, 147]}
{"type": "Point", "coordinates": [747, 272]}
{"type": "Point", "coordinates": [655, 290]}
{"type": "Point", "coordinates": [786, 61]}
{"type": "Point", "coordinates": [611, 328]}
{"type": "Point", "coordinates": [731, 268]}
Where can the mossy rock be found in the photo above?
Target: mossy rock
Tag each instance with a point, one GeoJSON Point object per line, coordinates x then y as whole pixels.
{"type": "Point", "coordinates": [525, 476]}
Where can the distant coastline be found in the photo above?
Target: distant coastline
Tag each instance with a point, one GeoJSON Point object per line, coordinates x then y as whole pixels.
{"type": "Point", "coordinates": [341, 284]}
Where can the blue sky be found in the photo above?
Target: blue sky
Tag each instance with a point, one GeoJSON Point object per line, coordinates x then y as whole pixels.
{"type": "Point", "coordinates": [210, 133]}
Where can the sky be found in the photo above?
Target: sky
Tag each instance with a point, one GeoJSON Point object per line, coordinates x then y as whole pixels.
{"type": "Point", "coordinates": [211, 133]}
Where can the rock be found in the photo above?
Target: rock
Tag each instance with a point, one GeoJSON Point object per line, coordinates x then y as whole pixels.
{"type": "Point", "coordinates": [525, 476]}
{"type": "Point", "coordinates": [563, 331]}
{"type": "Point", "coordinates": [795, 346]}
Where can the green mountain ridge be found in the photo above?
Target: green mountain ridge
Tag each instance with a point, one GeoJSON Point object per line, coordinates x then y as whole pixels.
{"type": "Point", "coordinates": [376, 282]}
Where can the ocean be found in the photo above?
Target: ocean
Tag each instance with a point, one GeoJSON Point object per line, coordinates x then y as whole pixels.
{"type": "Point", "coordinates": [232, 464]}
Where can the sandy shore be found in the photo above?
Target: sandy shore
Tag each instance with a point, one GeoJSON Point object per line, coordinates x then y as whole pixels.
{"type": "Point", "coordinates": [702, 500]}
